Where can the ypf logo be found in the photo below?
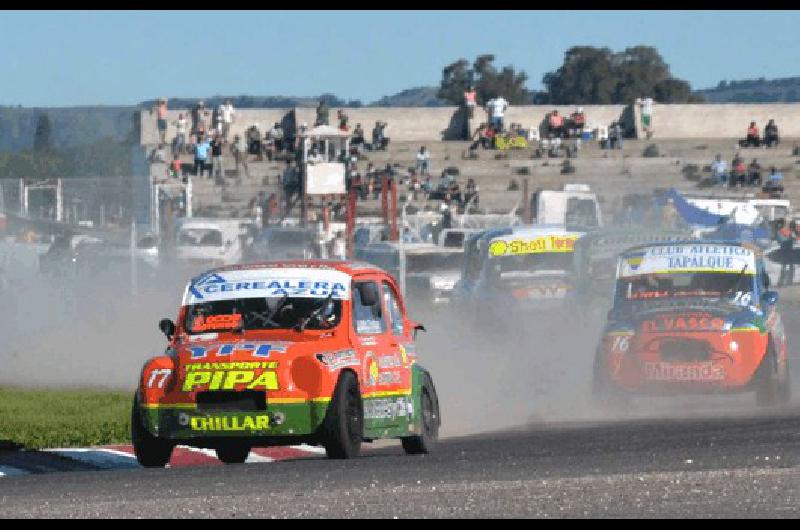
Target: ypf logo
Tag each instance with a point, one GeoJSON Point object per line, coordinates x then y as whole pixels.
{"type": "Point", "coordinates": [205, 281]}
{"type": "Point", "coordinates": [634, 260]}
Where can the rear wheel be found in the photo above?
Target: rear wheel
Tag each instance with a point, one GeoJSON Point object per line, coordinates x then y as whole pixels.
{"type": "Point", "coordinates": [150, 450]}
{"type": "Point", "coordinates": [233, 453]}
{"type": "Point", "coordinates": [430, 422]}
{"type": "Point", "coordinates": [773, 387]}
{"type": "Point", "coordinates": [343, 429]}
{"type": "Point", "coordinates": [605, 394]}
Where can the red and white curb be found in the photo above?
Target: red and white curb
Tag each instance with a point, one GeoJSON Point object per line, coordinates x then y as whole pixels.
{"type": "Point", "coordinates": [112, 457]}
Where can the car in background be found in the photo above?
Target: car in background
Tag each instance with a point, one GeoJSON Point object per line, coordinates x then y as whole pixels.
{"type": "Point", "coordinates": [280, 243]}
{"type": "Point", "coordinates": [692, 317]}
{"type": "Point", "coordinates": [211, 242]}
{"type": "Point", "coordinates": [282, 353]}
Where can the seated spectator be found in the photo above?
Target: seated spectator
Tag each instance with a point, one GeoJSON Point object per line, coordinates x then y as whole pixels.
{"type": "Point", "coordinates": [314, 157]}
{"type": "Point", "coordinates": [738, 172]}
{"type": "Point", "coordinates": [771, 134]}
{"type": "Point", "coordinates": [774, 185]}
{"type": "Point", "coordinates": [577, 122]}
{"type": "Point", "coordinates": [719, 169]}
{"type": "Point", "coordinates": [423, 161]}
{"type": "Point", "coordinates": [158, 154]}
{"type": "Point", "coordinates": [556, 124]}
{"type": "Point", "coordinates": [753, 139]}
{"type": "Point", "coordinates": [483, 137]}
{"type": "Point", "coordinates": [754, 173]}
{"type": "Point", "coordinates": [471, 193]}
{"type": "Point", "coordinates": [176, 167]}
{"type": "Point", "coordinates": [427, 185]}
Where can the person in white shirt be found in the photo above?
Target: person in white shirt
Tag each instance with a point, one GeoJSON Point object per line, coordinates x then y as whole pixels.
{"type": "Point", "coordinates": [227, 114]}
{"type": "Point", "coordinates": [423, 161]}
{"type": "Point", "coordinates": [496, 107]}
{"type": "Point", "coordinates": [181, 128]}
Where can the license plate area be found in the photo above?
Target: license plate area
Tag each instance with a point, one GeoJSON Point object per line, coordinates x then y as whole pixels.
{"type": "Point", "coordinates": [232, 401]}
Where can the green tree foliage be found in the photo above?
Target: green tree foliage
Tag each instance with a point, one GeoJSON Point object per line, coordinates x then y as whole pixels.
{"type": "Point", "coordinates": [488, 80]}
{"type": "Point", "coordinates": [105, 158]}
{"type": "Point", "coordinates": [42, 138]}
{"type": "Point", "coordinates": [592, 75]}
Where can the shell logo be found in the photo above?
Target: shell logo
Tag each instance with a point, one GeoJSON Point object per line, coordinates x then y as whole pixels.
{"type": "Point", "coordinates": [498, 248]}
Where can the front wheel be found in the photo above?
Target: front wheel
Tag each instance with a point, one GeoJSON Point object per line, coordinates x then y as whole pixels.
{"type": "Point", "coordinates": [430, 422]}
{"type": "Point", "coordinates": [233, 453]}
{"type": "Point", "coordinates": [150, 450]}
{"type": "Point", "coordinates": [343, 429]}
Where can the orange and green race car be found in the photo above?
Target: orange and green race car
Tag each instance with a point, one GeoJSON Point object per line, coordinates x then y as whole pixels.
{"type": "Point", "coordinates": [282, 353]}
{"type": "Point", "coordinates": [693, 317]}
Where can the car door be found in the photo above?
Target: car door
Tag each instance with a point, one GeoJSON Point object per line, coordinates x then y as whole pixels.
{"type": "Point", "coordinates": [371, 332]}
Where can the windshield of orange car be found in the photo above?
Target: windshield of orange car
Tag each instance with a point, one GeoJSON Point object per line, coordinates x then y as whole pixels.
{"type": "Point", "coordinates": [263, 314]}
{"type": "Point", "coordinates": [733, 287]}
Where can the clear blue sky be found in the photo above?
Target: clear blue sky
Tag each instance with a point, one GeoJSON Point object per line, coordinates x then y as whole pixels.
{"type": "Point", "coordinates": [79, 58]}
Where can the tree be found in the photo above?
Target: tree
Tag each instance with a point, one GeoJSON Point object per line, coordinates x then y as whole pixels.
{"type": "Point", "coordinates": [42, 142]}
{"type": "Point", "coordinates": [600, 76]}
{"type": "Point", "coordinates": [488, 81]}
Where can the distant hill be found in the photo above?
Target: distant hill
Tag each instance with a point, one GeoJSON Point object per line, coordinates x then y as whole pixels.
{"type": "Point", "coordinates": [784, 90]}
{"type": "Point", "coordinates": [424, 96]}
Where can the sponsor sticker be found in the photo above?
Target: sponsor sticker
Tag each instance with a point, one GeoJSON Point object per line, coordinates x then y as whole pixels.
{"type": "Point", "coordinates": [516, 247]}
{"type": "Point", "coordinates": [684, 372]}
{"type": "Point", "coordinates": [674, 259]}
{"type": "Point", "coordinates": [229, 423]}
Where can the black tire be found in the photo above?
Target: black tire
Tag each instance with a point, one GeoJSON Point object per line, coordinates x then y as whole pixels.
{"type": "Point", "coordinates": [150, 450]}
{"type": "Point", "coordinates": [233, 453]}
{"type": "Point", "coordinates": [343, 429]}
{"type": "Point", "coordinates": [605, 394]}
{"type": "Point", "coordinates": [431, 421]}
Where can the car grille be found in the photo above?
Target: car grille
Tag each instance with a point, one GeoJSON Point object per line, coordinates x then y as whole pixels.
{"type": "Point", "coordinates": [231, 401]}
{"type": "Point", "coordinates": [685, 350]}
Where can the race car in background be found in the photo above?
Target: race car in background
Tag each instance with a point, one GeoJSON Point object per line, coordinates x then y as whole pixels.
{"type": "Point", "coordinates": [283, 353]}
{"type": "Point", "coordinates": [510, 272]}
{"type": "Point", "coordinates": [692, 317]}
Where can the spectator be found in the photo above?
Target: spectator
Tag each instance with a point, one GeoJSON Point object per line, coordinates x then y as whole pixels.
{"type": "Point", "coordinates": [176, 166]}
{"type": "Point", "coordinates": [423, 161]}
{"type": "Point", "coordinates": [322, 113]}
{"type": "Point", "coordinates": [201, 155]}
{"type": "Point", "coordinates": [227, 115]}
{"type": "Point", "coordinates": [719, 169]}
{"type": "Point", "coordinates": [343, 119]}
{"type": "Point", "coordinates": [158, 154]}
{"type": "Point", "coordinates": [771, 138]}
{"type": "Point", "coordinates": [738, 171]}
{"type": "Point", "coordinates": [290, 181]}
{"type": "Point", "coordinates": [774, 185]}
{"type": "Point", "coordinates": [753, 139]}
{"type": "Point", "coordinates": [239, 156]}
{"type": "Point", "coordinates": [470, 100]}
{"type": "Point", "coordinates": [358, 136]}
{"type": "Point", "coordinates": [254, 142]}
{"type": "Point", "coordinates": [161, 116]}
{"type": "Point", "coordinates": [556, 124]}
{"type": "Point", "coordinates": [496, 107]}
{"type": "Point", "coordinates": [216, 157]}
{"type": "Point", "coordinates": [276, 135]}
{"type": "Point", "coordinates": [615, 136]}
{"type": "Point", "coordinates": [646, 108]}
{"type": "Point", "coordinates": [471, 193]}
{"type": "Point", "coordinates": [199, 116]}
{"type": "Point", "coordinates": [785, 237]}
{"type": "Point", "coordinates": [427, 185]}
{"type": "Point", "coordinates": [179, 142]}
{"type": "Point", "coordinates": [314, 157]}
{"type": "Point", "coordinates": [577, 122]}
{"type": "Point", "coordinates": [483, 137]}
{"type": "Point", "coordinates": [754, 173]}
{"type": "Point", "coordinates": [379, 140]}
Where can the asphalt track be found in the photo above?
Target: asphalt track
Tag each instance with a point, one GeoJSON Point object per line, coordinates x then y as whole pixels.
{"type": "Point", "coordinates": [736, 466]}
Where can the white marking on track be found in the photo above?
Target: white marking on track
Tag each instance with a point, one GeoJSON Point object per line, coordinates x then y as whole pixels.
{"type": "Point", "coordinates": [8, 471]}
{"type": "Point", "coordinates": [309, 449]}
{"type": "Point", "coordinates": [100, 457]}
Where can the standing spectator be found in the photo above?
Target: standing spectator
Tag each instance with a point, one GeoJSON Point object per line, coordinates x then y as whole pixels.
{"type": "Point", "coordinates": [379, 140]}
{"type": "Point", "coordinates": [753, 139]}
{"type": "Point", "coordinates": [239, 155]}
{"type": "Point", "coordinates": [322, 113]}
{"type": "Point", "coordinates": [754, 173]}
{"type": "Point", "coordinates": [201, 155]}
{"type": "Point", "coordinates": [254, 142]}
{"type": "Point", "coordinates": [471, 192]}
{"type": "Point", "coordinates": [423, 161]}
{"type": "Point", "coordinates": [227, 115]}
{"type": "Point", "coordinates": [470, 100]}
{"type": "Point", "coordinates": [343, 119]}
{"type": "Point", "coordinates": [719, 169]}
{"type": "Point", "coordinates": [358, 135]}
{"type": "Point", "coordinates": [497, 108]}
{"type": "Point", "coordinates": [646, 108]}
{"type": "Point", "coordinates": [216, 157]}
{"type": "Point", "coordinates": [276, 135]}
{"type": "Point", "coordinates": [556, 123]}
{"type": "Point", "coordinates": [615, 136]}
{"type": "Point", "coordinates": [290, 181]}
{"type": "Point", "coordinates": [339, 246]}
{"type": "Point", "coordinates": [181, 126]}
{"type": "Point", "coordinates": [771, 138]}
{"type": "Point", "coordinates": [161, 116]}
{"type": "Point", "coordinates": [199, 116]}
{"type": "Point", "coordinates": [785, 237]}
{"type": "Point", "coordinates": [577, 122]}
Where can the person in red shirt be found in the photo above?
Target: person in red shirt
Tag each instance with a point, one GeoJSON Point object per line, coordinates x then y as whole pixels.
{"type": "Point", "coordinates": [753, 137]}
{"type": "Point", "coordinates": [470, 100]}
{"type": "Point", "coordinates": [556, 123]}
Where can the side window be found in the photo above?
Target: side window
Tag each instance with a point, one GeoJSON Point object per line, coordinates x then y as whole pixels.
{"type": "Point", "coordinates": [393, 307]}
{"type": "Point", "coordinates": [367, 319]}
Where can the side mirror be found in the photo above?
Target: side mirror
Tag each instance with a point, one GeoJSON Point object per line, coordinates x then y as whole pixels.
{"type": "Point", "coordinates": [417, 328]}
{"type": "Point", "coordinates": [769, 298]}
{"type": "Point", "coordinates": [167, 327]}
{"type": "Point", "coordinates": [369, 294]}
